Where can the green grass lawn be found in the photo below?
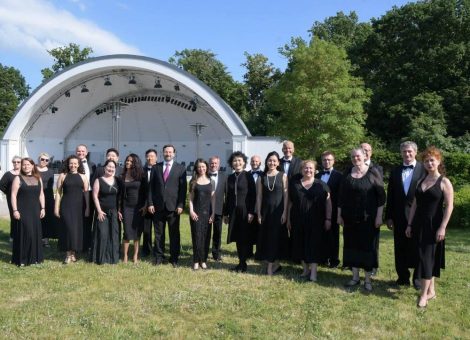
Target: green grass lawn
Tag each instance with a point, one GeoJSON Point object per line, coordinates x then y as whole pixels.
{"type": "Point", "coordinates": [84, 300]}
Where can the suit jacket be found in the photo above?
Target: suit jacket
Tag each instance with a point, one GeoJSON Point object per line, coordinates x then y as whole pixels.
{"type": "Point", "coordinates": [334, 183]}
{"type": "Point", "coordinates": [220, 192]}
{"type": "Point", "coordinates": [171, 194]}
{"type": "Point", "coordinates": [399, 204]}
{"type": "Point", "coordinates": [380, 170]}
{"type": "Point", "coordinates": [294, 168]}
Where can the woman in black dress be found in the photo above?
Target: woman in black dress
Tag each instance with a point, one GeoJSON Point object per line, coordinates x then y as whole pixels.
{"type": "Point", "coordinates": [271, 207]}
{"type": "Point", "coordinates": [360, 206]}
{"type": "Point", "coordinates": [239, 207]}
{"type": "Point", "coordinates": [428, 219]}
{"type": "Point", "coordinates": [27, 201]}
{"type": "Point", "coordinates": [5, 187]}
{"type": "Point", "coordinates": [71, 207]}
{"type": "Point", "coordinates": [106, 191]}
{"type": "Point", "coordinates": [201, 212]}
{"type": "Point", "coordinates": [309, 216]}
{"type": "Point", "coordinates": [133, 204]}
{"type": "Point", "coordinates": [49, 222]}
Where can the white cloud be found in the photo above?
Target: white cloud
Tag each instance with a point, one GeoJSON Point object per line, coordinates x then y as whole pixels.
{"type": "Point", "coordinates": [32, 27]}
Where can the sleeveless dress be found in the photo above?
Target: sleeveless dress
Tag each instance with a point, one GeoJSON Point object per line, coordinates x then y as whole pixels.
{"type": "Point", "coordinates": [106, 234]}
{"type": "Point", "coordinates": [27, 234]}
{"type": "Point", "coordinates": [49, 222]}
{"type": "Point", "coordinates": [428, 218]}
{"type": "Point", "coordinates": [71, 214]}
{"type": "Point", "coordinates": [133, 219]}
{"type": "Point", "coordinates": [308, 220]}
{"type": "Point", "coordinates": [199, 229]}
{"type": "Point", "coordinates": [272, 207]}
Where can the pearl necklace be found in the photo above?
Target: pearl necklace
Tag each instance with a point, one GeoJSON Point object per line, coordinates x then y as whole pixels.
{"type": "Point", "coordinates": [274, 182]}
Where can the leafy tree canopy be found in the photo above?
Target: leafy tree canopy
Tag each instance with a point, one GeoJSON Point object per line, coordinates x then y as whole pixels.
{"type": "Point", "coordinates": [65, 56]}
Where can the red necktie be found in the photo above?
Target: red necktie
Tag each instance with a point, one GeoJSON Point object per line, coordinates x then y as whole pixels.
{"type": "Point", "coordinates": [166, 172]}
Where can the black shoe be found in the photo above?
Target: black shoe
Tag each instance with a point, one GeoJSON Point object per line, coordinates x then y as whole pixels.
{"type": "Point", "coordinates": [333, 264]}
{"type": "Point", "coordinates": [174, 264]}
{"type": "Point", "coordinates": [417, 284]}
{"type": "Point", "coordinates": [217, 258]}
{"type": "Point", "coordinates": [158, 262]}
{"type": "Point", "coordinates": [401, 282]}
{"type": "Point", "coordinates": [278, 269]}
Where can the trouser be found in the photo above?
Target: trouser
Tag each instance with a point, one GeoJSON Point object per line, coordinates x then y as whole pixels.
{"type": "Point", "coordinates": [161, 218]}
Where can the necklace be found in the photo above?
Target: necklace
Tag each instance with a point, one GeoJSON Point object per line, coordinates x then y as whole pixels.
{"type": "Point", "coordinates": [274, 182]}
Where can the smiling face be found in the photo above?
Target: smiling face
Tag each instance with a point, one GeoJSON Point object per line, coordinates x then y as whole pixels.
{"type": "Point", "coordinates": [43, 161]}
{"type": "Point", "coordinates": [26, 167]}
{"type": "Point", "coordinates": [255, 162]}
{"type": "Point", "coordinates": [238, 164]}
{"type": "Point", "coordinates": [151, 158]}
{"type": "Point", "coordinates": [408, 154]}
{"type": "Point", "coordinates": [214, 164]}
{"type": "Point", "coordinates": [129, 162]}
{"type": "Point", "coordinates": [201, 168]}
{"type": "Point", "coordinates": [357, 157]}
{"type": "Point", "coordinates": [367, 151]}
{"type": "Point", "coordinates": [308, 170]}
{"type": "Point", "coordinates": [110, 169]}
{"type": "Point", "coordinates": [288, 150]}
{"type": "Point", "coordinates": [327, 162]}
{"type": "Point", "coordinates": [272, 162]}
{"type": "Point", "coordinates": [16, 164]}
{"type": "Point", "coordinates": [73, 165]}
{"type": "Point", "coordinates": [168, 153]}
{"type": "Point", "coordinates": [81, 152]}
{"type": "Point", "coordinates": [112, 156]}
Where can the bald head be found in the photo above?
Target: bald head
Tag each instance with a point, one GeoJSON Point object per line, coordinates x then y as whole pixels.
{"type": "Point", "coordinates": [255, 162]}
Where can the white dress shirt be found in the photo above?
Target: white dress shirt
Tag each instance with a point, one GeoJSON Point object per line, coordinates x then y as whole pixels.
{"type": "Point", "coordinates": [406, 176]}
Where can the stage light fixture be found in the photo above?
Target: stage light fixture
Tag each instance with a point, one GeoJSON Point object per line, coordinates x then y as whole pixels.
{"type": "Point", "coordinates": [84, 89]}
{"type": "Point", "coordinates": [132, 80]}
{"type": "Point", "coordinates": [107, 81]}
{"type": "Point", "coordinates": [177, 87]}
{"type": "Point", "coordinates": [158, 85]}
{"type": "Point", "coordinates": [67, 94]}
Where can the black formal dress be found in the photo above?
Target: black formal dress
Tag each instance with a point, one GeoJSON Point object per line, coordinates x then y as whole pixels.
{"type": "Point", "coordinates": [307, 217]}
{"type": "Point", "coordinates": [27, 236]}
{"type": "Point", "coordinates": [359, 199]}
{"type": "Point", "coordinates": [131, 204]}
{"type": "Point", "coordinates": [428, 218]}
{"type": "Point", "coordinates": [5, 187]}
{"type": "Point", "coordinates": [331, 237]}
{"type": "Point", "coordinates": [49, 222]}
{"type": "Point", "coordinates": [106, 233]}
{"type": "Point", "coordinates": [220, 178]}
{"type": "Point", "coordinates": [199, 229]}
{"type": "Point", "coordinates": [272, 207]}
{"type": "Point", "coordinates": [71, 212]}
{"type": "Point", "coordinates": [240, 201]}
{"type": "Point", "coordinates": [397, 209]}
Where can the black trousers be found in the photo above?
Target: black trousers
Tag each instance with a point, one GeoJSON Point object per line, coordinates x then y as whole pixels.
{"type": "Point", "coordinates": [216, 229]}
{"type": "Point", "coordinates": [406, 255]}
{"type": "Point", "coordinates": [332, 244]}
{"type": "Point", "coordinates": [88, 224]}
{"type": "Point", "coordinates": [147, 245]}
{"type": "Point", "coordinates": [161, 218]}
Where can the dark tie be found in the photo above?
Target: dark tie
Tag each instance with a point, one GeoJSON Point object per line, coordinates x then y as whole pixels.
{"type": "Point", "coordinates": [326, 172]}
{"type": "Point", "coordinates": [258, 172]}
{"type": "Point", "coordinates": [213, 175]}
{"type": "Point", "coordinates": [404, 167]}
{"type": "Point", "coordinates": [287, 160]}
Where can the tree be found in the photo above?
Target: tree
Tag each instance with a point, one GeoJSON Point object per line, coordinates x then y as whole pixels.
{"type": "Point", "coordinates": [415, 50]}
{"type": "Point", "coordinates": [320, 103]}
{"type": "Point", "coordinates": [13, 90]}
{"type": "Point", "coordinates": [260, 76]}
{"type": "Point", "coordinates": [65, 56]}
{"type": "Point", "coordinates": [204, 65]}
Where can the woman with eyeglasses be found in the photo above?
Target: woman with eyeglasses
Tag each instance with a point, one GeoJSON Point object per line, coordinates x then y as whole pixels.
{"type": "Point", "coordinates": [49, 222]}
{"type": "Point", "coordinates": [5, 187]}
{"type": "Point", "coordinates": [27, 202]}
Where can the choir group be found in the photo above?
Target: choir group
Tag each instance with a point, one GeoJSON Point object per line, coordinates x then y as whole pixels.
{"type": "Point", "coordinates": [291, 211]}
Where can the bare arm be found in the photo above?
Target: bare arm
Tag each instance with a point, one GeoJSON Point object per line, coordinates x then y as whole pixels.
{"type": "Point", "coordinates": [96, 189]}
{"type": "Point", "coordinates": [448, 191]}
{"type": "Point", "coordinates": [42, 200]}
{"type": "Point", "coordinates": [58, 195]}
{"type": "Point", "coordinates": [328, 212]}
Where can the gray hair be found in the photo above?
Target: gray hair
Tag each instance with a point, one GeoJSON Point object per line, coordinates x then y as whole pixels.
{"type": "Point", "coordinates": [359, 148]}
{"type": "Point", "coordinates": [15, 157]}
{"type": "Point", "coordinates": [407, 144]}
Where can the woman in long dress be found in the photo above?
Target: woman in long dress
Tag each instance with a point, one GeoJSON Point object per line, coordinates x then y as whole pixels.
{"type": "Point", "coordinates": [309, 216]}
{"type": "Point", "coordinates": [239, 207]}
{"type": "Point", "coordinates": [27, 201]}
{"type": "Point", "coordinates": [271, 208]}
{"type": "Point", "coordinates": [106, 191]}
{"type": "Point", "coordinates": [133, 204]}
{"type": "Point", "coordinates": [201, 212]}
{"type": "Point", "coordinates": [71, 207]}
{"type": "Point", "coordinates": [428, 219]}
{"type": "Point", "coordinates": [360, 207]}
{"type": "Point", "coordinates": [49, 222]}
{"type": "Point", "coordinates": [5, 187]}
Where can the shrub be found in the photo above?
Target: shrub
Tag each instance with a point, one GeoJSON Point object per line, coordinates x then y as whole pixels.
{"type": "Point", "coordinates": [461, 215]}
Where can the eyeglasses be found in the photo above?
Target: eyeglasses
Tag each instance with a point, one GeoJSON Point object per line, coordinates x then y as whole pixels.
{"type": "Point", "coordinates": [44, 160]}
{"type": "Point", "coordinates": [15, 162]}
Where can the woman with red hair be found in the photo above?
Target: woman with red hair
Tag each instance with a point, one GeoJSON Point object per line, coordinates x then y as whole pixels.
{"type": "Point", "coordinates": [428, 219]}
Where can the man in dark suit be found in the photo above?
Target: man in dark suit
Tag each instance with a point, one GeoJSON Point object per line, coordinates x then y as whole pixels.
{"type": "Point", "coordinates": [166, 201]}
{"type": "Point", "coordinates": [147, 245]}
{"type": "Point", "coordinates": [81, 151]}
{"type": "Point", "coordinates": [255, 163]}
{"type": "Point", "coordinates": [220, 179]}
{"type": "Point", "coordinates": [368, 161]}
{"type": "Point", "coordinates": [289, 164]}
{"type": "Point", "coordinates": [400, 195]}
{"type": "Point", "coordinates": [113, 155]}
{"type": "Point", "coordinates": [333, 179]}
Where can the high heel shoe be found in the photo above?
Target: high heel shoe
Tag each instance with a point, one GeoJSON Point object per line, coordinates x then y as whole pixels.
{"type": "Point", "coordinates": [68, 260]}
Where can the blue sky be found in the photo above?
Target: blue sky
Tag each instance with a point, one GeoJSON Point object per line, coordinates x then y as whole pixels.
{"type": "Point", "coordinates": [158, 28]}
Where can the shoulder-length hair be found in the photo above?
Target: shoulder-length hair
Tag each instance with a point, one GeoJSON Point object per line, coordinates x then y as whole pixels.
{"type": "Point", "coordinates": [193, 181]}
{"type": "Point", "coordinates": [136, 171]}
{"type": "Point", "coordinates": [34, 171]}
{"type": "Point", "coordinates": [66, 170]}
{"type": "Point", "coordinates": [237, 154]}
{"type": "Point", "coordinates": [272, 153]}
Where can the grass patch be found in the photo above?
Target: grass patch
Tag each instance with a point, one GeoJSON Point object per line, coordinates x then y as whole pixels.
{"type": "Point", "coordinates": [84, 300]}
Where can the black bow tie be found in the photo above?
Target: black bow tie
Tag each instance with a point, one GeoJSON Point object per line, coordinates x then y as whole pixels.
{"type": "Point", "coordinates": [84, 161]}
{"type": "Point", "coordinates": [404, 167]}
{"type": "Point", "coordinates": [287, 160]}
{"type": "Point", "coordinates": [213, 175]}
{"type": "Point", "coordinates": [149, 168]}
{"type": "Point", "coordinates": [258, 172]}
{"type": "Point", "coordinates": [326, 172]}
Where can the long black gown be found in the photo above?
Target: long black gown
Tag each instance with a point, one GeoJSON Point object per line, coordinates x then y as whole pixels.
{"type": "Point", "coordinates": [308, 220]}
{"type": "Point", "coordinates": [272, 207]}
{"type": "Point", "coordinates": [106, 233]}
{"type": "Point", "coordinates": [199, 235]}
{"type": "Point", "coordinates": [49, 222]}
{"type": "Point", "coordinates": [359, 199]}
{"type": "Point", "coordinates": [5, 187]}
{"type": "Point", "coordinates": [71, 214]}
{"type": "Point", "coordinates": [428, 218]}
{"type": "Point", "coordinates": [239, 202]}
{"type": "Point", "coordinates": [27, 235]}
{"type": "Point", "coordinates": [132, 218]}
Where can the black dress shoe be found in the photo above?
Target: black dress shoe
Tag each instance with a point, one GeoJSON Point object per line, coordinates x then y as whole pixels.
{"type": "Point", "coordinates": [277, 270]}
{"type": "Point", "coordinates": [417, 284]}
